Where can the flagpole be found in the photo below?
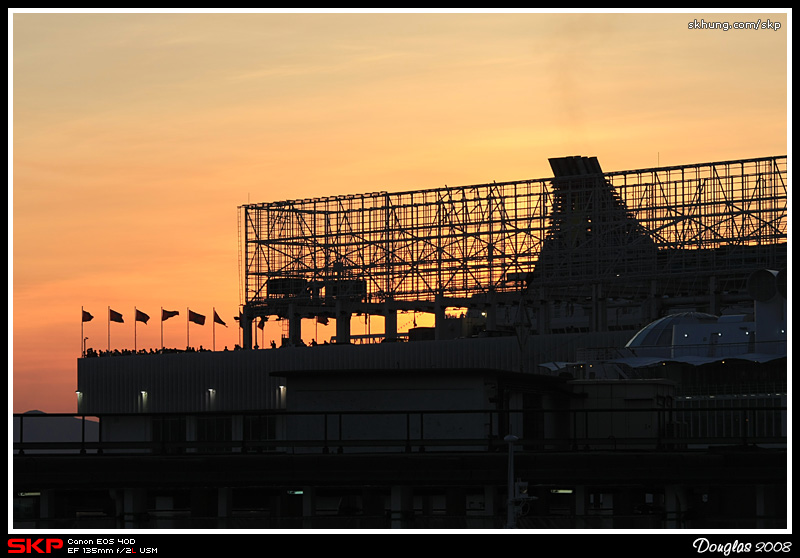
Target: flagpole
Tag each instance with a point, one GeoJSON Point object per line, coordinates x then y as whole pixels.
{"type": "Point", "coordinates": [162, 329]}
{"type": "Point", "coordinates": [109, 328]}
{"type": "Point", "coordinates": [214, 329]}
{"type": "Point", "coordinates": [83, 352]}
{"type": "Point", "coordinates": [187, 328]}
{"type": "Point", "coordinates": [135, 315]}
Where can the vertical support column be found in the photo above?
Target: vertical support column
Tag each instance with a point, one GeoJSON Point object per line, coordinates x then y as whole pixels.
{"type": "Point", "coordinates": [402, 507]}
{"type": "Point", "coordinates": [390, 329]}
{"type": "Point", "coordinates": [342, 322]}
{"type": "Point", "coordinates": [246, 323]}
{"type": "Point", "coordinates": [134, 506]}
{"type": "Point", "coordinates": [761, 508]}
{"type": "Point", "coordinates": [491, 312]}
{"type": "Point", "coordinates": [456, 502]}
{"type": "Point", "coordinates": [440, 314]}
{"type": "Point", "coordinates": [652, 306]}
{"type": "Point", "coordinates": [309, 506]}
{"type": "Point", "coordinates": [579, 501]}
{"type": "Point", "coordinates": [599, 309]}
{"type": "Point", "coordinates": [295, 323]}
{"type": "Point", "coordinates": [47, 509]}
{"type": "Point", "coordinates": [674, 506]}
{"type": "Point", "coordinates": [623, 508]}
{"type": "Point", "coordinates": [543, 314]}
{"type": "Point", "coordinates": [373, 505]}
{"type": "Point", "coordinates": [489, 503]}
{"type": "Point", "coordinates": [224, 506]}
{"type": "Point", "coordinates": [164, 515]}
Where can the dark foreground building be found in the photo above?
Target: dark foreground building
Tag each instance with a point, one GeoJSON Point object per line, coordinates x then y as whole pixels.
{"type": "Point", "coordinates": [609, 351]}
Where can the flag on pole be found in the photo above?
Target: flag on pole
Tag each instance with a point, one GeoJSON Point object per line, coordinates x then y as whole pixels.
{"type": "Point", "coordinates": [218, 320]}
{"type": "Point", "coordinates": [167, 314]}
{"type": "Point", "coordinates": [138, 316]}
{"type": "Point", "coordinates": [262, 322]}
{"type": "Point", "coordinates": [114, 317]}
{"type": "Point", "coordinates": [85, 317]}
{"type": "Point", "coordinates": [199, 319]}
{"type": "Point", "coordinates": [141, 316]}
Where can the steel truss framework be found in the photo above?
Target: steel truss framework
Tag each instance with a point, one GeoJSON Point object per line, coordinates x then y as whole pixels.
{"type": "Point", "coordinates": [569, 231]}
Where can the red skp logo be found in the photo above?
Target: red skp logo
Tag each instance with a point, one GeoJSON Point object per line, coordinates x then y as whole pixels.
{"type": "Point", "coordinates": [29, 546]}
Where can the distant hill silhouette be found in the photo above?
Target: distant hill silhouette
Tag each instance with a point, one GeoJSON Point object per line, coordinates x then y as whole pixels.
{"type": "Point", "coordinates": [44, 428]}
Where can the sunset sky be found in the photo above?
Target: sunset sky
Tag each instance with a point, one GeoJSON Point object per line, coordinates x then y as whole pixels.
{"type": "Point", "coordinates": [136, 136]}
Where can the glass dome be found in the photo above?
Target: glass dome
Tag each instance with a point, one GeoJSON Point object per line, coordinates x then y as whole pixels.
{"type": "Point", "coordinates": [659, 332]}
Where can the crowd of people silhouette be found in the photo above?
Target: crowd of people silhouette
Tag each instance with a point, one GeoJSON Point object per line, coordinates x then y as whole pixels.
{"type": "Point", "coordinates": [92, 353]}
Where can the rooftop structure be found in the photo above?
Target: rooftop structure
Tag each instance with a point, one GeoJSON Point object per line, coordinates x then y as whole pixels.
{"type": "Point", "coordinates": [688, 230]}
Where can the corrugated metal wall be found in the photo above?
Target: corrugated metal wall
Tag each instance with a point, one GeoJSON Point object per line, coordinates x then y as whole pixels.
{"type": "Point", "coordinates": [241, 380]}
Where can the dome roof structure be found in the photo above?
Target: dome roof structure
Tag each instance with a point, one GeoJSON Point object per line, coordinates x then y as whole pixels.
{"type": "Point", "coordinates": [659, 332]}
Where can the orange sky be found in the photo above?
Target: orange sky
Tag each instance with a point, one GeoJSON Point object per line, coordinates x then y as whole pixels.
{"type": "Point", "coordinates": [137, 136]}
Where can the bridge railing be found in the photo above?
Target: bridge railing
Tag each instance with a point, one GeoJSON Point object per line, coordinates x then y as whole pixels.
{"type": "Point", "coordinates": [606, 429]}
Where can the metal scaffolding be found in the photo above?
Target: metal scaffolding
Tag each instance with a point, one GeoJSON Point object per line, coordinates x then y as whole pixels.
{"type": "Point", "coordinates": [634, 233]}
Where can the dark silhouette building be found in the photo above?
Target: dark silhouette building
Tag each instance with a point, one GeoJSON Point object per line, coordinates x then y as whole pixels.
{"type": "Point", "coordinates": [621, 335]}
